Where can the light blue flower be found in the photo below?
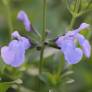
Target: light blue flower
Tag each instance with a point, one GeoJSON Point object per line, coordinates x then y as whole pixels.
{"type": "Point", "coordinates": [71, 52]}
{"type": "Point", "coordinates": [22, 16]}
{"type": "Point", "coordinates": [14, 53]}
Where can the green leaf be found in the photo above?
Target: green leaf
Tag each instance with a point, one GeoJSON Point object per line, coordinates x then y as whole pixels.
{"type": "Point", "coordinates": [52, 80]}
{"type": "Point", "coordinates": [4, 86]}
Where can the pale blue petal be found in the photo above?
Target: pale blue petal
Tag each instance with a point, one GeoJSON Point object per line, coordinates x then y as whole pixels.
{"type": "Point", "coordinates": [19, 53]}
{"type": "Point", "coordinates": [14, 54]}
{"type": "Point", "coordinates": [85, 45]}
{"type": "Point", "coordinates": [59, 41]}
{"type": "Point", "coordinates": [16, 34]}
{"type": "Point", "coordinates": [27, 25]}
{"type": "Point", "coordinates": [22, 16]}
{"type": "Point", "coordinates": [14, 44]}
{"type": "Point", "coordinates": [7, 55]}
{"type": "Point", "coordinates": [25, 42]}
{"type": "Point", "coordinates": [19, 57]}
{"type": "Point", "coordinates": [86, 48]}
{"type": "Point", "coordinates": [72, 54]}
{"type": "Point", "coordinates": [84, 26]}
{"type": "Point", "coordinates": [80, 38]}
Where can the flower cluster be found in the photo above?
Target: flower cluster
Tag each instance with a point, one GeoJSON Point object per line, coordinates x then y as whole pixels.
{"type": "Point", "coordinates": [14, 53]}
{"type": "Point", "coordinates": [71, 52]}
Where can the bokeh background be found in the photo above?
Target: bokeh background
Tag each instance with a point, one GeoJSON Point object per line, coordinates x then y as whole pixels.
{"type": "Point", "coordinates": [58, 19]}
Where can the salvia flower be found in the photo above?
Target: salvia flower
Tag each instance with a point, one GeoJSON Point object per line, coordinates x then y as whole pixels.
{"type": "Point", "coordinates": [67, 44]}
{"type": "Point", "coordinates": [22, 16]}
{"type": "Point", "coordinates": [14, 53]}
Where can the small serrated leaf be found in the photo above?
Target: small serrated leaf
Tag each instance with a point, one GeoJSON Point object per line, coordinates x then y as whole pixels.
{"type": "Point", "coordinates": [4, 86]}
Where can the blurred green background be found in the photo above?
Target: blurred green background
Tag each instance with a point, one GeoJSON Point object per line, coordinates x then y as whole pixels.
{"type": "Point", "coordinates": [58, 19]}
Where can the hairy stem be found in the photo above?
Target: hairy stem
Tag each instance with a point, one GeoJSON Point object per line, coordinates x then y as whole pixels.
{"type": "Point", "coordinates": [43, 36]}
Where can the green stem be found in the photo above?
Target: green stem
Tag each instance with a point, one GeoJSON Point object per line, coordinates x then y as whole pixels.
{"type": "Point", "coordinates": [72, 22]}
{"type": "Point", "coordinates": [68, 7]}
{"type": "Point", "coordinates": [36, 31]}
{"type": "Point", "coordinates": [43, 36]}
{"type": "Point", "coordinates": [6, 3]}
{"type": "Point", "coordinates": [59, 69]}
